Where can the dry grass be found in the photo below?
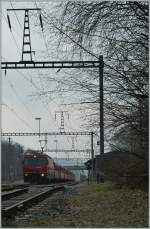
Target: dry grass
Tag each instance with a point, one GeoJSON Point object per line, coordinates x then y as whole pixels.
{"type": "Point", "coordinates": [100, 205]}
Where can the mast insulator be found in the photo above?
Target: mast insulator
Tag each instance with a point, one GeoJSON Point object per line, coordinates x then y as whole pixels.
{"type": "Point", "coordinates": [9, 22]}
{"type": "Point", "coordinates": [41, 22]}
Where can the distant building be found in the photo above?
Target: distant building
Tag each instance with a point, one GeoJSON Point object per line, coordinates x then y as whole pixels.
{"type": "Point", "coordinates": [116, 165]}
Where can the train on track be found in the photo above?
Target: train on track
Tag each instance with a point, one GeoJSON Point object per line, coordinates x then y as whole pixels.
{"type": "Point", "coordinates": [38, 167]}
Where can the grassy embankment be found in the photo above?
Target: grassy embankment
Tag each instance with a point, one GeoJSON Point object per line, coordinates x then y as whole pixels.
{"type": "Point", "coordinates": [101, 205]}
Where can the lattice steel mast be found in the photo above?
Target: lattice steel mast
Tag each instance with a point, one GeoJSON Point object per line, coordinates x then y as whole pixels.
{"type": "Point", "coordinates": [26, 45]}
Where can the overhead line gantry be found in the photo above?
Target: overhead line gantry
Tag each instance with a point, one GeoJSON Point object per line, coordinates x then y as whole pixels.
{"type": "Point", "coordinates": [45, 133]}
{"type": "Point", "coordinates": [30, 64]}
{"type": "Point", "coordinates": [50, 64]}
{"type": "Point", "coordinates": [82, 133]}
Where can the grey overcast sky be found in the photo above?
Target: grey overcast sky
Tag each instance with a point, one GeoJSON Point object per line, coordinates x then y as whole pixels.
{"type": "Point", "coordinates": [20, 106]}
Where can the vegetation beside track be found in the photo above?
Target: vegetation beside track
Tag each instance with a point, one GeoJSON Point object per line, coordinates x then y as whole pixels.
{"type": "Point", "coordinates": [98, 205]}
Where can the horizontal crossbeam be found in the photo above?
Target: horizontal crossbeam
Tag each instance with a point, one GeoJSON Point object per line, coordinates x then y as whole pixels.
{"type": "Point", "coordinates": [76, 159]}
{"type": "Point", "coordinates": [50, 64]}
{"type": "Point", "coordinates": [46, 133]}
{"type": "Point", "coordinates": [23, 9]}
{"type": "Point", "coordinates": [75, 167]}
{"type": "Point", "coordinates": [68, 150]}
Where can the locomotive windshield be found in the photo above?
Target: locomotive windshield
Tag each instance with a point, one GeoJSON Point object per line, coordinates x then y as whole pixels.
{"type": "Point", "coordinates": [35, 161]}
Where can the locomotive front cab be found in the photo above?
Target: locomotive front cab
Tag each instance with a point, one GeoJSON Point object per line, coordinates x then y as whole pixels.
{"type": "Point", "coordinates": [40, 168]}
{"type": "Point", "coordinates": [35, 168]}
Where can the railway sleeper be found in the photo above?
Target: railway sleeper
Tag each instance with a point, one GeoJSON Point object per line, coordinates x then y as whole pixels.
{"type": "Point", "coordinates": [14, 193]}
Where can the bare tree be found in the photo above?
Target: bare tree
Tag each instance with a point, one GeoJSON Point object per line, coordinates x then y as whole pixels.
{"type": "Point", "coordinates": [119, 31]}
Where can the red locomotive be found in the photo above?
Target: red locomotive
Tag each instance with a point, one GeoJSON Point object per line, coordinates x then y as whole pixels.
{"type": "Point", "coordinates": [39, 167]}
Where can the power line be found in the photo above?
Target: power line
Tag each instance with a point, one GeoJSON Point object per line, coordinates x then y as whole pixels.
{"type": "Point", "coordinates": [46, 46]}
{"type": "Point", "coordinates": [38, 70]}
{"type": "Point", "coordinates": [16, 114]}
{"type": "Point", "coordinates": [22, 31]}
{"type": "Point", "coordinates": [16, 15]}
{"type": "Point", "coordinates": [12, 34]}
{"type": "Point", "coordinates": [16, 94]}
{"type": "Point", "coordinates": [47, 53]}
{"type": "Point", "coordinates": [41, 82]}
{"type": "Point", "coordinates": [16, 43]}
{"type": "Point", "coordinates": [46, 49]}
{"type": "Point", "coordinates": [11, 85]}
{"type": "Point", "coordinates": [43, 34]}
{"type": "Point", "coordinates": [35, 86]}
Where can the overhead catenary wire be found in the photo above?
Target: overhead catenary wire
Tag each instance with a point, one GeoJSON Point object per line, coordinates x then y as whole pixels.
{"type": "Point", "coordinates": [46, 102]}
{"type": "Point", "coordinates": [18, 96]}
{"type": "Point", "coordinates": [31, 80]}
{"type": "Point", "coordinates": [41, 82]}
{"type": "Point", "coordinates": [9, 82]}
{"type": "Point", "coordinates": [12, 35]}
{"type": "Point", "coordinates": [43, 87]}
{"type": "Point", "coordinates": [21, 30]}
{"type": "Point", "coordinates": [35, 86]}
{"type": "Point", "coordinates": [15, 41]}
{"type": "Point", "coordinates": [18, 116]}
{"type": "Point", "coordinates": [46, 46]}
{"type": "Point", "coordinates": [16, 15]}
{"type": "Point", "coordinates": [46, 49]}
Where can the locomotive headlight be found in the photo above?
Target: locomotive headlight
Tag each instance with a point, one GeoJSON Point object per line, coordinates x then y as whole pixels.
{"type": "Point", "coordinates": [26, 174]}
{"type": "Point", "coordinates": [42, 174]}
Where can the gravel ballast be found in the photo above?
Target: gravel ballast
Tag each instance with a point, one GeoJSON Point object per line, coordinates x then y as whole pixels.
{"type": "Point", "coordinates": [94, 205]}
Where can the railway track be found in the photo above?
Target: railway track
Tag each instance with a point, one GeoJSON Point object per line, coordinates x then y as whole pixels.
{"type": "Point", "coordinates": [9, 187]}
{"type": "Point", "coordinates": [16, 200]}
{"type": "Point", "coordinates": [12, 193]}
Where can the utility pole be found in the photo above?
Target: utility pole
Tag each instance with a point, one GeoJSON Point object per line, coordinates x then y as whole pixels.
{"type": "Point", "coordinates": [56, 142]}
{"type": "Point", "coordinates": [73, 139]}
{"type": "Point", "coordinates": [73, 145]}
{"type": "Point", "coordinates": [9, 170]}
{"type": "Point", "coordinates": [92, 156]}
{"type": "Point", "coordinates": [39, 119]}
{"type": "Point", "coordinates": [46, 141]}
{"type": "Point", "coordinates": [62, 128]}
{"type": "Point", "coordinates": [26, 46]}
{"type": "Point", "coordinates": [101, 103]}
